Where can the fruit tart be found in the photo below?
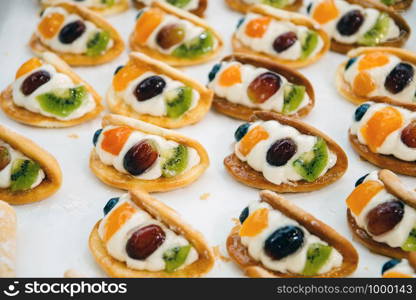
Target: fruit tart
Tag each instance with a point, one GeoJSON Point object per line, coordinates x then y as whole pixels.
{"type": "Point", "coordinates": [284, 37]}
{"type": "Point", "coordinates": [397, 5]}
{"type": "Point", "coordinates": [379, 73]}
{"type": "Point", "coordinates": [27, 172]}
{"type": "Point", "coordinates": [150, 90]}
{"type": "Point", "coordinates": [130, 154]}
{"type": "Point", "coordinates": [103, 7]}
{"type": "Point", "coordinates": [244, 84]}
{"type": "Point", "coordinates": [275, 238]}
{"type": "Point", "coordinates": [197, 7]}
{"type": "Point", "coordinates": [355, 23]}
{"type": "Point", "coordinates": [77, 35]}
{"type": "Point", "coordinates": [174, 36]}
{"type": "Point", "coordinates": [400, 268]}
{"type": "Point", "coordinates": [284, 155]}
{"type": "Point", "coordinates": [8, 240]}
{"type": "Point", "coordinates": [244, 5]}
{"type": "Point", "coordinates": [140, 236]}
{"type": "Point", "coordinates": [382, 214]}
{"type": "Point", "coordinates": [47, 93]}
{"type": "Point", "coordinates": [385, 135]}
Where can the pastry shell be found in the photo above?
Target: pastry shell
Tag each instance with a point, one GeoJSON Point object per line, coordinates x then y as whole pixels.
{"type": "Point", "coordinates": [199, 11]}
{"type": "Point", "coordinates": [82, 59]}
{"type": "Point", "coordinates": [22, 115]}
{"type": "Point", "coordinates": [243, 173]}
{"type": "Point", "coordinates": [252, 268]}
{"type": "Point", "coordinates": [169, 217]}
{"type": "Point", "coordinates": [172, 60]}
{"type": "Point", "coordinates": [110, 176]}
{"type": "Point", "coordinates": [398, 19]}
{"type": "Point", "coordinates": [242, 112]}
{"type": "Point", "coordinates": [291, 17]}
{"type": "Point", "coordinates": [119, 7]}
{"type": "Point", "coordinates": [402, 6]}
{"type": "Point", "coordinates": [118, 106]}
{"type": "Point", "coordinates": [241, 6]}
{"type": "Point", "coordinates": [344, 88]}
{"type": "Point", "coordinates": [53, 175]}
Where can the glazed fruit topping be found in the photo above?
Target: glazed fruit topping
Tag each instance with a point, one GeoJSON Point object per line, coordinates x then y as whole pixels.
{"type": "Point", "coordinates": [176, 162]}
{"type": "Point", "coordinates": [252, 138]}
{"type": "Point", "coordinates": [241, 131]}
{"type": "Point", "coordinates": [118, 217]}
{"type": "Point", "coordinates": [147, 22]}
{"type": "Point", "coordinates": [149, 88]}
{"type": "Point", "coordinates": [5, 157]}
{"type": "Point", "coordinates": [325, 11]}
{"type": "Point", "coordinates": [24, 174]}
{"type": "Point", "coordinates": [145, 241]}
{"type": "Point", "coordinates": [71, 31]}
{"type": "Point", "coordinates": [284, 242]}
{"type": "Point", "coordinates": [316, 257]}
{"type": "Point", "coordinates": [284, 41]}
{"type": "Point", "coordinates": [62, 102]}
{"type": "Point", "coordinates": [140, 157]}
{"type": "Point", "coordinates": [255, 223]}
{"type": "Point", "coordinates": [125, 75]}
{"type": "Point", "coordinates": [198, 46]}
{"type": "Point", "coordinates": [399, 78]}
{"type": "Point", "coordinates": [363, 84]}
{"type": "Point", "coordinates": [384, 217]}
{"type": "Point", "coordinates": [114, 139]}
{"type": "Point", "coordinates": [98, 43]}
{"type": "Point", "coordinates": [281, 152]}
{"type": "Point", "coordinates": [110, 205]}
{"type": "Point", "coordinates": [362, 195]}
{"type": "Point", "coordinates": [50, 25]}
{"type": "Point", "coordinates": [34, 81]}
{"type": "Point", "coordinates": [410, 243]}
{"type": "Point", "coordinates": [178, 101]}
{"type": "Point", "coordinates": [170, 35]}
{"type": "Point", "coordinates": [244, 215]}
{"type": "Point", "coordinates": [350, 62]}
{"type": "Point", "coordinates": [263, 87]}
{"type": "Point", "coordinates": [350, 23]}
{"type": "Point", "coordinates": [373, 60]}
{"type": "Point", "coordinates": [175, 257]}
{"type": "Point", "coordinates": [256, 28]}
{"type": "Point", "coordinates": [231, 76]}
{"type": "Point", "coordinates": [408, 135]}
{"type": "Point", "coordinates": [28, 66]}
{"type": "Point", "coordinates": [361, 111]}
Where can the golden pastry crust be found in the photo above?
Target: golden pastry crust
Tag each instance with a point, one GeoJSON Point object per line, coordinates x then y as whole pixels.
{"type": "Point", "coordinates": [294, 18]}
{"type": "Point", "coordinates": [242, 7]}
{"type": "Point", "coordinates": [345, 89]}
{"type": "Point", "coordinates": [402, 5]}
{"type": "Point", "coordinates": [252, 268]}
{"type": "Point", "coordinates": [242, 112]}
{"type": "Point", "coordinates": [82, 59]}
{"type": "Point", "coordinates": [199, 11]}
{"type": "Point", "coordinates": [27, 117]}
{"type": "Point", "coordinates": [171, 219]}
{"type": "Point", "coordinates": [117, 8]}
{"type": "Point", "coordinates": [394, 186]}
{"type": "Point", "coordinates": [109, 175]}
{"type": "Point", "coordinates": [118, 106]}
{"type": "Point", "coordinates": [243, 173]}
{"type": "Point", "coordinates": [169, 59]}
{"type": "Point", "coordinates": [398, 19]}
{"type": "Point", "coordinates": [53, 175]}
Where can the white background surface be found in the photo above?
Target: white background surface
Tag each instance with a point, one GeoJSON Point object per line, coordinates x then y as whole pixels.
{"type": "Point", "coordinates": [53, 234]}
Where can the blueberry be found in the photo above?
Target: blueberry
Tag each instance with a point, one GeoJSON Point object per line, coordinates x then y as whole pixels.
{"type": "Point", "coordinates": [241, 131]}
{"type": "Point", "coordinates": [308, 8]}
{"type": "Point", "coordinates": [118, 69]}
{"type": "Point", "coordinates": [96, 136]}
{"type": "Point", "coordinates": [389, 265]}
{"type": "Point", "coordinates": [139, 14]}
{"type": "Point", "coordinates": [110, 205]}
{"type": "Point", "coordinates": [350, 62]}
{"type": "Point", "coordinates": [244, 215]}
{"type": "Point", "coordinates": [214, 72]}
{"type": "Point", "coordinates": [360, 112]}
{"type": "Point", "coordinates": [361, 180]}
{"type": "Point", "coordinates": [240, 22]}
{"type": "Point", "coordinates": [284, 242]}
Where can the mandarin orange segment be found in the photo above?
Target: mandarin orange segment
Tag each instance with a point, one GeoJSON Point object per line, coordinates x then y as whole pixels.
{"type": "Point", "coordinates": [49, 26]}
{"type": "Point", "coordinates": [380, 126]}
{"type": "Point", "coordinates": [252, 138]}
{"type": "Point", "coordinates": [394, 274]}
{"type": "Point", "coordinates": [118, 218]}
{"type": "Point", "coordinates": [123, 77]}
{"type": "Point", "coordinates": [325, 11]}
{"type": "Point", "coordinates": [373, 60]}
{"type": "Point", "coordinates": [363, 84]}
{"type": "Point", "coordinates": [255, 223]}
{"type": "Point", "coordinates": [256, 28]}
{"type": "Point", "coordinates": [114, 139]}
{"type": "Point", "coordinates": [146, 24]}
{"type": "Point", "coordinates": [362, 195]}
{"type": "Point", "coordinates": [28, 66]}
{"type": "Point", "coordinates": [230, 76]}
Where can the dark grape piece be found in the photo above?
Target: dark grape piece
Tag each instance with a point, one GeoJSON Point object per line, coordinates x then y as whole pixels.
{"type": "Point", "coordinates": [408, 135]}
{"type": "Point", "coordinates": [284, 242]}
{"type": "Point", "coordinates": [5, 157]}
{"type": "Point", "coordinates": [384, 217]}
{"type": "Point", "coordinates": [360, 111]}
{"type": "Point", "coordinates": [244, 215]}
{"type": "Point", "coordinates": [34, 81]}
{"type": "Point", "coordinates": [361, 180]}
{"type": "Point", "coordinates": [96, 136]}
{"type": "Point", "coordinates": [149, 88]}
{"type": "Point", "coordinates": [145, 241]}
{"type": "Point", "coordinates": [284, 41]}
{"type": "Point", "coordinates": [263, 87]}
{"type": "Point", "coordinates": [170, 35]}
{"type": "Point", "coordinates": [281, 152]}
{"type": "Point", "coordinates": [214, 72]}
{"type": "Point", "coordinates": [110, 205]}
{"type": "Point", "coordinates": [241, 131]}
{"type": "Point", "coordinates": [389, 265]}
{"type": "Point", "coordinates": [399, 78]}
{"type": "Point", "coordinates": [350, 23]}
{"type": "Point", "coordinates": [140, 158]}
{"type": "Point", "coordinates": [71, 31]}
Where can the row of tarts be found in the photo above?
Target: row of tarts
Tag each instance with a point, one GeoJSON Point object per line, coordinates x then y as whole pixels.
{"type": "Point", "coordinates": [139, 236]}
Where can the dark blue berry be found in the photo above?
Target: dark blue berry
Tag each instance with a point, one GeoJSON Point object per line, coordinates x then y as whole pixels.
{"type": "Point", "coordinates": [360, 111]}
{"type": "Point", "coordinates": [110, 205]}
{"type": "Point", "coordinates": [214, 71]}
{"type": "Point", "coordinates": [139, 14]}
{"type": "Point", "coordinates": [308, 8]}
{"type": "Point", "coordinates": [244, 215]}
{"type": "Point", "coordinates": [241, 131]}
{"type": "Point", "coordinates": [240, 22]}
{"type": "Point", "coordinates": [96, 136]}
{"type": "Point", "coordinates": [350, 62]}
{"type": "Point", "coordinates": [118, 69]}
{"type": "Point", "coordinates": [389, 265]}
{"type": "Point", "coordinates": [284, 242]}
{"type": "Point", "coordinates": [361, 180]}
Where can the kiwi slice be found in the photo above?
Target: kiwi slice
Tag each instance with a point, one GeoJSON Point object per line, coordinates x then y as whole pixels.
{"type": "Point", "coordinates": [410, 244]}
{"type": "Point", "coordinates": [97, 44]}
{"type": "Point", "coordinates": [275, 3]}
{"type": "Point", "coordinates": [179, 3]}
{"type": "Point", "coordinates": [178, 101]}
{"type": "Point", "coordinates": [293, 97]}
{"type": "Point", "coordinates": [175, 257]}
{"type": "Point", "coordinates": [316, 256]}
{"type": "Point", "coordinates": [374, 36]}
{"type": "Point", "coordinates": [311, 164]}
{"type": "Point", "coordinates": [24, 174]}
{"type": "Point", "coordinates": [196, 47]}
{"type": "Point", "coordinates": [176, 162]}
{"type": "Point", "coordinates": [62, 102]}
{"type": "Point", "coordinates": [309, 42]}
{"type": "Point", "coordinates": [388, 2]}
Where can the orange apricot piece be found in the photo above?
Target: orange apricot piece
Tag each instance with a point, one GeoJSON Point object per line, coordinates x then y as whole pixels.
{"type": "Point", "coordinates": [252, 138]}
{"type": "Point", "coordinates": [230, 76]}
{"type": "Point", "coordinates": [362, 195]}
{"type": "Point", "coordinates": [125, 75]}
{"type": "Point", "coordinates": [373, 60]}
{"type": "Point", "coordinates": [114, 139]}
{"type": "Point", "coordinates": [118, 218]}
{"type": "Point", "coordinates": [363, 84]}
{"type": "Point", "coordinates": [393, 274]}
{"type": "Point", "coordinates": [28, 66]}
{"type": "Point", "coordinates": [255, 223]}
{"type": "Point", "coordinates": [325, 11]}
{"type": "Point", "coordinates": [146, 24]}
{"type": "Point", "coordinates": [256, 28]}
{"type": "Point", "coordinates": [49, 26]}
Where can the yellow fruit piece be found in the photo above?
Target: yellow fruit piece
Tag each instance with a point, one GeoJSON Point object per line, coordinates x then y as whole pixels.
{"type": "Point", "coordinates": [230, 76]}
{"type": "Point", "coordinates": [49, 26]}
{"type": "Point", "coordinates": [252, 138]}
{"type": "Point", "coordinates": [255, 223]}
{"type": "Point", "coordinates": [117, 218]}
{"type": "Point", "coordinates": [256, 28]}
{"type": "Point", "coordinates": [28, 66]}
{"type": "Point", "coordinates": [325, 11]}
{"type": "Point", "coordinates": [363, 84]}
{"type": "Point", "coordinates": [373, 60]}
{"type": "Point", "coordinates": [362, 195]}
{"type": "Point", "coordinates": [393, 274]}
{"type": "Point", "coordinates": [146, 24]}
{"type": "Point", "coordinates": [123, 77]}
